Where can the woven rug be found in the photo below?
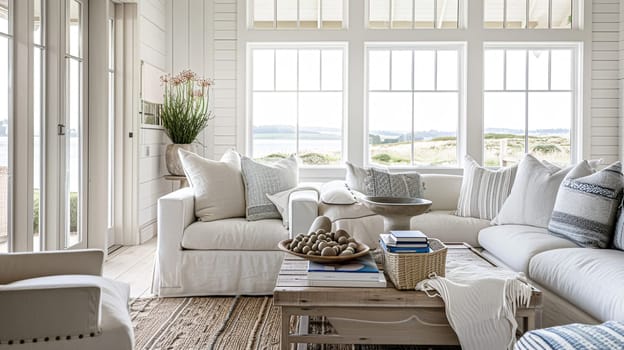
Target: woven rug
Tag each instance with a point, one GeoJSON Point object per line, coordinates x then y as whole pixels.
{"type": "Point", "coordinates": [222, 323]}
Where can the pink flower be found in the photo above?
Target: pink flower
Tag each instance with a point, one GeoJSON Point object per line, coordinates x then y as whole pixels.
{"type": "Point", "coordinates": [205, 82]}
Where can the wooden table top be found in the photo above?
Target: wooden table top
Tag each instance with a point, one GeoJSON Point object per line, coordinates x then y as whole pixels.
{"type": "Point", "coordinates": [292, 290]}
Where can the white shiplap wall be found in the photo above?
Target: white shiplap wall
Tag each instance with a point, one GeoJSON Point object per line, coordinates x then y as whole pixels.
{"type": "Point", "coordinates": [621, 83]}
{"type": "Point", "coordinates": [151, 168]}
{"type": "Point", "coordinates": [203, 38]}
{"type": "Point", "coordinates": [605, 89]}
{"type": "Point", "coordinates": [604, 133]}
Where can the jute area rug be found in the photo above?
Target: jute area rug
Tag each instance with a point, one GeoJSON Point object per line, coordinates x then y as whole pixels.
{"type": "Point", "coordinates": [222, 323]}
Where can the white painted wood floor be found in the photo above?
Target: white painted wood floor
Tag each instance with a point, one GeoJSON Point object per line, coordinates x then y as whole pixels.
{"type": "Point", "coordinates": [133, 265]}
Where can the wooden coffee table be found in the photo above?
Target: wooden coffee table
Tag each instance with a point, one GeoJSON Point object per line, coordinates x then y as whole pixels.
{"type": "Point", "coordinates": [376, 315]}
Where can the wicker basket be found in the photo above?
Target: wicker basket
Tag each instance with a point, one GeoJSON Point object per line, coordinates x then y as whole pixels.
{"type": "Point", "coordinates": [407, 269]}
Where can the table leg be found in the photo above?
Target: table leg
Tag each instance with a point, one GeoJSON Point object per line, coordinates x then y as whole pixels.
{"type": "Point", "coordinates": [284, 340]}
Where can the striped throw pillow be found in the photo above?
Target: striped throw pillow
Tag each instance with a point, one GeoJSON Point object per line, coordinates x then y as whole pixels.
{"type": "Point", "coordinates": [618, 238]}
{"type": "Point", "coordinates": [609, 335]}
{"type": "Point", "coordinates": [483, 191]}
{"type": "Point", "coordinates": [586, 207]}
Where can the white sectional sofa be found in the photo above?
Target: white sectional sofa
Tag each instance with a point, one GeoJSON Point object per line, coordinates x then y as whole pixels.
{"type": "Point", "coordinates": [234, 256]}
{"type": "Point", "coordinates": [579, 284]}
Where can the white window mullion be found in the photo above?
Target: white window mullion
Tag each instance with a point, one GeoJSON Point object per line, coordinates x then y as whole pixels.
{"type": "Point", "coordinates": [505, 14]}
{"type": "Point", "coordinates": [275, 14]}
{"type": "Point", "coordinates": [526, 104]}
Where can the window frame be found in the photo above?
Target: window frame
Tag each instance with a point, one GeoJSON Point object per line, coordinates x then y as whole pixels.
{"type": "Point", "coordinates": [9, 35]}
{"type": "Point", "coordinates": [470, 134]}
{"type": "Point", "coordinates": [297, 46]}
{"type": "Point", "coordinates": [250, 17]}
{"type": "Point", "coordinates": [461, 17]}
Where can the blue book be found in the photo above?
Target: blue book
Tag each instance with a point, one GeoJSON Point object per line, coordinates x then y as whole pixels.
{"type": "Point", "coordinates": [363, 268]}
{"type": "Point", "coordinates": [403, 249]}
{"type": "Point", "coordinates": [408, 236]}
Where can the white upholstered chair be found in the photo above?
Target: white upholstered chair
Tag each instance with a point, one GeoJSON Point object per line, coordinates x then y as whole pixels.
{"type": "Point", "coordinates": [59, 300]}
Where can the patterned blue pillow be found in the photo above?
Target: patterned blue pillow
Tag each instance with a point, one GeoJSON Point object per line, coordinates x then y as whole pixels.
{"type": "Point", "coordinates": [586, 208]}
{"type": "Point", "coordinates": [609, 335]}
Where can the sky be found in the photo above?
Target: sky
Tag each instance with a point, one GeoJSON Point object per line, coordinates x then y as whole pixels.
{"type": "Point", "coordinates": [435, 97]}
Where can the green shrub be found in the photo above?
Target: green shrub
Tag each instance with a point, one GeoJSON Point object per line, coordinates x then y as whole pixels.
{"type": "Point", "coordinates": [315, 158]}
{"type": "Point", "coordinates": [546, 149]}
{"type": "Point", "coordinates": [382, 157]}
{"type": "Point", "coordinates": [73, 211]}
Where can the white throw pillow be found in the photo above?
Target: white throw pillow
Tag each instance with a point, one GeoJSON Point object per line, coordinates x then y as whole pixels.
{"type": "Point", "coordinates": [217, 185]}
{"type": "Point", "coordinates": [534, 192]}
{"type": "Point", "coordinates": [337, 192]}
{"type": "Point", "coordinates": [282, 199]}
{"type": "Point", "coordinates": [483, 191]}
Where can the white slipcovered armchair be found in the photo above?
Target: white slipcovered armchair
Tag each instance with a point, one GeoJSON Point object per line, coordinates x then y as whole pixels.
{"type": "Point", "coordinates": [222, 257]}
{"type": "Point", "coordinates": [59, 300]}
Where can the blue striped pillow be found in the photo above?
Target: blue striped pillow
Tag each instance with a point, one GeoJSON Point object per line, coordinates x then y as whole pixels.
{"type": "Point", "coordinates": [586, 207]}
{"type": "Point", "coordinates": [609, 335]}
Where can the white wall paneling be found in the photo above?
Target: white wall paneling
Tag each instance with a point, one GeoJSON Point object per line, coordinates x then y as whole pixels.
{"type": "Point", "coordinates": [605, 92]}
{"type": "Point", "coordinates": [203, 39]}
{"type": "Point", "coordinates": [617, 119]}
{"type": "Point", "coordinates": [153, 27]}
{"type": "Point", "coordinates": [154, 31]}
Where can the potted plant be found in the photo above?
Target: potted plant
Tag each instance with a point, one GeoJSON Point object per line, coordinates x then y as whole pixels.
{"type": "Point", "coordinates": [185, 113]}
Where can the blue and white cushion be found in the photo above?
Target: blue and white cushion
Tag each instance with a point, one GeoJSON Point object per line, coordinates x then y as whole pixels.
{"type": "Point", "coordinates": [609, 335]}
{"type": "Point", "coordinates": [586, 207]}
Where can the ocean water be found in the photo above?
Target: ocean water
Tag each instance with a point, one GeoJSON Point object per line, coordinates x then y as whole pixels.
{"type": "Point", "coordinates": [263, 147]}
{"type": "Point", "coordinates": [73, 161]}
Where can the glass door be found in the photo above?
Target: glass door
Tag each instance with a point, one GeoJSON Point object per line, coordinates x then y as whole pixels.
{"type": "Point", "coordinates": [72, 129]}
{"type": "Point", "coordinates": [38, 121]}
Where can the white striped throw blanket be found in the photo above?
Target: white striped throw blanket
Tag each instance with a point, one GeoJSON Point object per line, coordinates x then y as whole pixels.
{"type": "Point", "coordinates": [609, 335]}
{"type": "Point", "coordinates": [481, 304]}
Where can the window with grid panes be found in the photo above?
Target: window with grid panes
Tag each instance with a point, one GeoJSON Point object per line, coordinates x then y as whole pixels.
{"type": "Point", "coordinates": [530, 102]}
{"type": "Point", "coordinates": [414, 103]}
{"type": "Point", "coordinates": [297, 102]}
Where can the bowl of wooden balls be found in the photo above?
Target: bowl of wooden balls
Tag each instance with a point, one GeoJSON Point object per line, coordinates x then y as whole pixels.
{"type": "Point", "coordinates": [324, 247]}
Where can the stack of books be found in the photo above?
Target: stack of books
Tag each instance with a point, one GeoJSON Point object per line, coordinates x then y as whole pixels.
{"type": "Point", "coordinates": [404, 242]}
{"type": "Point", "coordinates": [359, 272]}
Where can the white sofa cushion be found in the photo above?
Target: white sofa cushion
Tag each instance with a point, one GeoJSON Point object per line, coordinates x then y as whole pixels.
{"type": "Point", "coordinates": [234, 234]}
{"type": "Point", "coordinates": [440, 224]}
{"type": "Point", "coordinates": [484, 190]}
{"type": "Point", "coordinates": [442, 190]}
{"type": "Point", "coordinates": [515, 245]}
{"type": "Point", "coordinates": [533, 194]}
{"type": "Point", "coordinates": [448, 227]}
{"type": "Point", "coordinates": [218, 186]}
{"type": "Point", "coordinates": [592, 279]}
